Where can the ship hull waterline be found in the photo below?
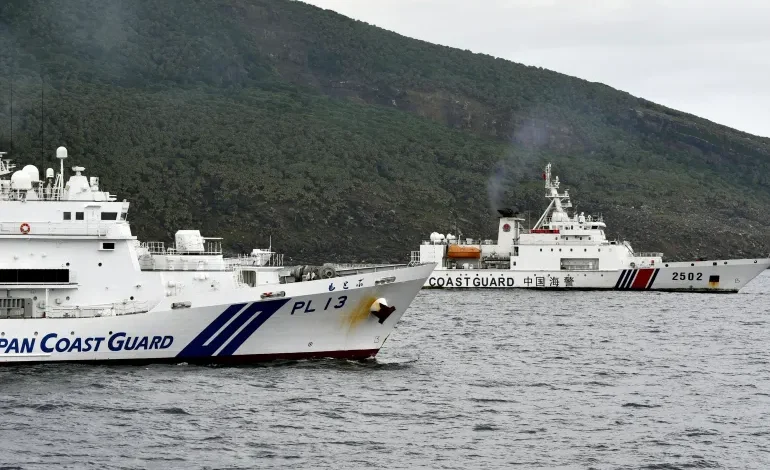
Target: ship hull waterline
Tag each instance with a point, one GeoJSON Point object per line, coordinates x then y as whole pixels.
{"type": "Point", "coordinates": [698, 276]}
{"type": "Point", "coordinates": [229, 328]}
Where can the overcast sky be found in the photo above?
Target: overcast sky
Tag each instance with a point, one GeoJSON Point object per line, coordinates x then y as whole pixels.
{"type": "Point", "coordinates": [706, 57]}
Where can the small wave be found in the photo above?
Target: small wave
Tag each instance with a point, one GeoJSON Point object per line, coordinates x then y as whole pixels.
{"type": "Point", "coordinates": [639, 405]}
{"type": "Point", "coordinates": [47, 407]}
{"type": "Point", "coordinates": [542, 385]}
{"type": "Point", "coordinates": [700, 432]}
{"type": "Point", "coordinates": [658, 442]}
{"type": "Point", "coordinates": [109, 409]}
{"type": "Point", "coordinates": [301, 400]}
{"type": "Point", "coordinates": [173, 411]}
{"type": "Point", "coordinates": [375, 414]}
{"type": "Point", "coordinates": [285, 426]}
{"type": "Point", "coordinates": [485, 427]}
{"type": "Point", "coordinates": [330, 414]}
{"type": "Point", "coordinates": [491, 400]}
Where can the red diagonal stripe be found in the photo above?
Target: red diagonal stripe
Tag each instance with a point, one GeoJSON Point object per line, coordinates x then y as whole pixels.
{"type": "Point", "coordinates": [642, 277]}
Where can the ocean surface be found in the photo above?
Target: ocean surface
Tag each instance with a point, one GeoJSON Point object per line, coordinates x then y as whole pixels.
{"type": "Point", "coordinates": [470, 379]}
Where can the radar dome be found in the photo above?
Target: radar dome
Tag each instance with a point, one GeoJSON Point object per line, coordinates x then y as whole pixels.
{"type": "Point", "coordinates": [61, 153]}
{"type": "Point", "coordinates": [450, 237]}
{"type": "Point", "coordinates": [21, 181]}
{"type": "Point", "coordinates": [49, 173]}
{"type": "Point", "coordinates": [33, 172]}
{"type": "Point", "coordinates": [435, 236]}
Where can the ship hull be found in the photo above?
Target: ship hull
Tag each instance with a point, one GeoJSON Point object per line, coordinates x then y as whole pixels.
{"type": "Point", "coordinates": [315, 319]}
{"type": "Point", "coordinates": [715, 276]}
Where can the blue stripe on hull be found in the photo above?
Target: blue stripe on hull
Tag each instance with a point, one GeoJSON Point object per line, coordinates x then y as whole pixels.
{"type": "Point", "coordinates": [206, 344]}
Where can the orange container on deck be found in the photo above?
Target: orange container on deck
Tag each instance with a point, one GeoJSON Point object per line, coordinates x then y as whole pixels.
{"type": "Point", "coordinates": [460, 251]}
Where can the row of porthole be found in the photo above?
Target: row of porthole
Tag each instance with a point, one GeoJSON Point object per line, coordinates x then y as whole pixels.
{"type": "Point", "coordinates": [130, 298]}
{"type": "Point", "coordinates": [69, 264]}
{"type": "Point", "coordinates": [715, 263]}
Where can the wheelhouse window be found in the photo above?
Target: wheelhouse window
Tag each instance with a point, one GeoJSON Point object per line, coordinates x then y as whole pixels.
{"type": "Point", "coordinates": [109, 216]}
{"type": "Point", "coordinates": [108, 245]}
{"type": "Point", "coordinates": [79, 216]}
{"type": "Point", "coordinates": [67, 215]}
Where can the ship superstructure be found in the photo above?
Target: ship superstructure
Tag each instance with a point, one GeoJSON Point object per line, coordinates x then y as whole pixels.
{"type": "Point", "coordinates": [563, 251]}
{"type": "Point", "coordinates": [77, 285]}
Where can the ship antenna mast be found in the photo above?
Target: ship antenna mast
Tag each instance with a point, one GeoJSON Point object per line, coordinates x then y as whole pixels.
{"type": "Point", "coordinates": [13, 78]}
{"type": "Point", "coordinates": [42, 116]}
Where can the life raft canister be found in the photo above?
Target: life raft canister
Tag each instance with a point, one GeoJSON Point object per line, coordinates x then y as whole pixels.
{"type": "Point", "coordinates": [24, 228]}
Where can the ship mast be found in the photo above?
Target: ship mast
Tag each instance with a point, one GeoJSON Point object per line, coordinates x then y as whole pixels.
{"type": "Point", "coordinates": [559, 202]}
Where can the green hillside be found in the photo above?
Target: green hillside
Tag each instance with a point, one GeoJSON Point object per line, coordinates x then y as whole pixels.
{"type": "Point", "coordinates": [252, 118]}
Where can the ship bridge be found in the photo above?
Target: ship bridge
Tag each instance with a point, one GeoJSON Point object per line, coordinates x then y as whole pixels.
{"type": "Point", "coordinates": [35, 207]}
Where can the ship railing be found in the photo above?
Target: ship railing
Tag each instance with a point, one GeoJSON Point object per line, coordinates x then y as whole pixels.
{"type": "Point", "coordinates": [584, 242]}
{"type": "Point", "coordinates": [414, 258]}
{"type": "Point", "coordinates": [464, 241]}
{"type": "Point", "coordinates": [79, 228]}
{"type": "Point", "coordinates": [177, 262]}
{"type": "Point", "coordinates": [649, 254]}
{"type": "Point", "coordinates": [351, 269]}
{"type": "Point", "coordinates": [43, 193]}
{"type": "Point", "coordinates": [159, 248]}
{"type": "Point", "coordinates": [102, 310]}
{"type": "Point", "coordinates": [259, 260]}
{"type": "Point", "coordinates": [588, 220]}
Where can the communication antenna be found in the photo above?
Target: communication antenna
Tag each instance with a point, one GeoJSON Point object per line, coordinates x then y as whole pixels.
{"type": "Point", "coordinates": [13, 78]}
{"type": "Point", "coordinates": [42, 116]}
{"type": "Point", "coordinates": [61, 154]}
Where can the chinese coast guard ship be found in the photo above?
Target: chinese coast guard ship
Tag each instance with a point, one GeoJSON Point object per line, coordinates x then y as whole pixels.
{"type": "Point", "coordinates": [76, 285]}
{"type": "Point", "coordinates": [570, 252]}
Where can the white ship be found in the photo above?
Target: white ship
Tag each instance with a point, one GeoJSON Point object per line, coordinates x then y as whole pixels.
{"type": "Point", "coordinates": [77, 286]}
{"type": "Point", "coordinates": [570, 252]}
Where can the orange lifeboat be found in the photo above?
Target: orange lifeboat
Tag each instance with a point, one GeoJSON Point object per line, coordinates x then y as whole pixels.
{"type": "Point", "coordinates": [461, 251]}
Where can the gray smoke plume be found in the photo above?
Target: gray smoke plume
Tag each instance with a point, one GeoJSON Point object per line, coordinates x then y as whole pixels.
{"type": "Point", "coordinates": [520, 162]}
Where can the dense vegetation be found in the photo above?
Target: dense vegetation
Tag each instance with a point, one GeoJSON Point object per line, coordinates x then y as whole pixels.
{"type": "Point", "coordinates": [251, 118]}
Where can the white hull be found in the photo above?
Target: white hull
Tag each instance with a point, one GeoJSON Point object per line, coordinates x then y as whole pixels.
{"type": "Point", "coordinates": [323, 318]}
{"type": "Point", "coordinates": [696, 276]}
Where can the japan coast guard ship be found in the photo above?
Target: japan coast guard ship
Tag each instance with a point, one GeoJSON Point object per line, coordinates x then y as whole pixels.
{"type": "Point", "coordinates": [570, 252]}
{"type": "Point", "coordinates": [77, 286]}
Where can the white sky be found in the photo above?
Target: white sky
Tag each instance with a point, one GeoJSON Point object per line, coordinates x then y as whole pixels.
{"type": "Point", "coordinates": [710, 58]}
